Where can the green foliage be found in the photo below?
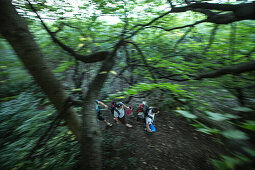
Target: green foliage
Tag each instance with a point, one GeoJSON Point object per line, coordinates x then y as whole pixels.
{"type": "Point", "coordinates": [243, 109]}
{"type": "Point", "coordinates": [248, 124]}
{"type": "Point", "coordinates": [205, 129]}
{"type": "Point", "coordinates": [64, 66]}
{"type": "Point", "coordinates": [229, 162]}
{"type": "Point", "coordinates": [13, 78]}
{"type": "Point", "coordinates": [170, 61]}
{"type": "Point", "coordinates": [20, 129]}
{"type": "Point", "coordinates": [220, 117]}
{"type": "Point", "coordinates": [186, 114]}
{"type": "Point", "coordinates": [143, 87]}
{"type": "Point", "coordinates": [235, 134]}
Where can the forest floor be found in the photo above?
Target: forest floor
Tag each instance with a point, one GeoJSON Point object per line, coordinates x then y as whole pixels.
{"type": "Point", "coordinates": [175, 145]}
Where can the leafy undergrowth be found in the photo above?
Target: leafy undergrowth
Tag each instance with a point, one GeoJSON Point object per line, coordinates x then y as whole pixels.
{"type": "Point", "coordinates": [175, 145]}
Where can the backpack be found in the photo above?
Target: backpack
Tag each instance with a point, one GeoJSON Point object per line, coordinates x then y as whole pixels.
{"type": "Point", "coordinates": [145, 109]}
{"type": "Point", "coordinates": [113, 107]}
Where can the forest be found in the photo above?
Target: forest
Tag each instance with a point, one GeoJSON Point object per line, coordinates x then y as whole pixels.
{"type": "Point", "coordinates": [192, 59]}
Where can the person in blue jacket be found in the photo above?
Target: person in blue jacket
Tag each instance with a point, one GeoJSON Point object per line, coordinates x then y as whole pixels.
{"type": "Point", "coordinates": [99, 114]}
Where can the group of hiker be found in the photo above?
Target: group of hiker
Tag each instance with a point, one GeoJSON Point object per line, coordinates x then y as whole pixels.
{"type": "Point", "coordinates": [145, 114]}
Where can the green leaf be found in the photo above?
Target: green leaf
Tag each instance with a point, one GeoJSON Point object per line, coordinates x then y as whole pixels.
{"type": "Point", "coordinates": [216, 116]}
{"type": "Point", "coordinates": [249, 151]}
{"type": "Point", "coordinates": [242, 109]}
{"type": "Point", "coordinates": [121, 97]}
{"type": "Point", "coordinates": [231, 116]}
{"type": "Point", "coordinates": [63, 67]}
{"type": "Point", "coordinates": [249, 124]}
{"type": "Point", "coordinates": [186, 114]}
{"type": "Point", "coordinates": [204, 130]}
{"type": "Point", "coordinates": [74, 90]}
{"type": "Point", "coordinates": [235, 134]}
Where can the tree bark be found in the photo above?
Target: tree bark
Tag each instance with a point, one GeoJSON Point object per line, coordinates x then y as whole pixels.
{"type": "Point", "coordinates": [16, 32]}
{"type": "Point", "coordinates": [91, 139]}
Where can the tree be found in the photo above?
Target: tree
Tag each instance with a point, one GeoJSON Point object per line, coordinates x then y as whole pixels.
{"type": "Point", "coordinates": [15, 30]}
{"type": "Point", "coordinates": [159, 62]}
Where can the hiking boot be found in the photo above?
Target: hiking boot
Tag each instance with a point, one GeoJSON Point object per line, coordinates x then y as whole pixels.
{"type": "Point", "coordinates": [109, 124]}
{"type": "Point", "coordinates": [128, 125]}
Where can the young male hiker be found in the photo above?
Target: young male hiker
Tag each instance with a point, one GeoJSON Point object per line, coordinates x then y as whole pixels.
{"type": "Point", "coordinates": [119, 114]}
{"type": "Point", "coordinates": [149, 118]}
{"type": "Point", "coordinates": [99, 115]}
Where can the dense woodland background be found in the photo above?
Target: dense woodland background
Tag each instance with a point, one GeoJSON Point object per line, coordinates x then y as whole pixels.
{"type": "Point", "coordinates": [195, 60]}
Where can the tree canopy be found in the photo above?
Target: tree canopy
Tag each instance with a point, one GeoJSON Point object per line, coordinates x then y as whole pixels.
{"type": "Point", "coordinates": [194, 59]}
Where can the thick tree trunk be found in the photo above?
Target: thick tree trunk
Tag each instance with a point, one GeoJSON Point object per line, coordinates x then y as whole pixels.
{"type": "Point", "coordinates": [15, 30]}
{"type": "Point", "coordinates": [91, 139]}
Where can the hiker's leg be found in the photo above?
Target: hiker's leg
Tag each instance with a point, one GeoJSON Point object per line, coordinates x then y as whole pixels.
{"type": "Point", "coordinates": [107, 123]}
{"type": "Point", "coordinates": [152, 127]}
{"type": "Point", "coordinates": [116, 120]}
{"type": "Point", "coordinates": [100, 117]}
{"type": "Point", "coordinates": [123, 120]}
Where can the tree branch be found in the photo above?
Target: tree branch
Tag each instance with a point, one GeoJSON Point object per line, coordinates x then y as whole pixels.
{"type": "Point", "coordinates": [170, 29]}
{"type": "Point", "coordinates": [236, 69]}
{"type": "Point", "coordinates": [99, 56]}
{"type": "Point", "coordinates": [237, 12]}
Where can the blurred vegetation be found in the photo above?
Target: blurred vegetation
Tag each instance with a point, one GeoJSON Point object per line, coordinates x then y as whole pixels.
{"type": "Point", "coordinates": [164, 74]}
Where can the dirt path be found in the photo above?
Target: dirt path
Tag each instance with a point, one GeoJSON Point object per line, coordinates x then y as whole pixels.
{"type": "Point", "coordinates": [175, 145]}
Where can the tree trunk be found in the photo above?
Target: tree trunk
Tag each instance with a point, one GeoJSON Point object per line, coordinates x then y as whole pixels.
{"type": "Point", "coordinates": [91, 139]}
{"type": "Point", "coordinates": [15, 30]}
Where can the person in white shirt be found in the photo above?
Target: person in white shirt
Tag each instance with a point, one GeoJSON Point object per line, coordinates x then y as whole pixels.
{"type": "Point", "coordinates": [119, 114]}
{"type": "Point", "coordinates": [150, 118]}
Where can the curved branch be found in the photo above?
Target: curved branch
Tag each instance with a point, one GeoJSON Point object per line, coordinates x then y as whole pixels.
{"type": "Point", "coordinates": [237, 12]}
{"type": "Point", "coordinates": [99, 56]}
{"type": "Point", "coordinates": [236, 69]}
{"type": "Point", "coordinates": [170, 29]}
